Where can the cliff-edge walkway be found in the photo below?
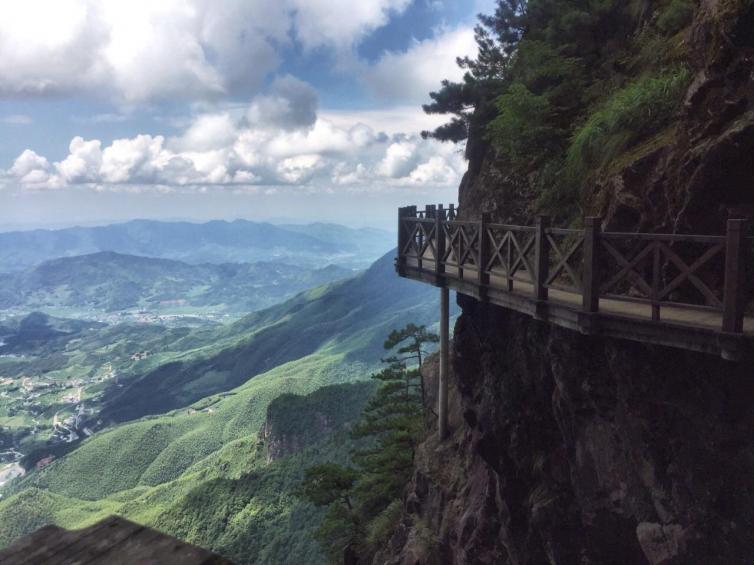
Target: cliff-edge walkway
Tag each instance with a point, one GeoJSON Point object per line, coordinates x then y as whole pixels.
{"type": "Point", "coordinates": [678, 290]}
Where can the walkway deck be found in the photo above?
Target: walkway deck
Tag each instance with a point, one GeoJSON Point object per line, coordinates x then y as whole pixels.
{"type": "Point", "coordinates": [686, 291]}
{"type": "Point", "coordinates": [113, 541]}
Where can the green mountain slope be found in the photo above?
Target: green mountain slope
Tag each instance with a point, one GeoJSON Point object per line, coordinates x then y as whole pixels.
{"type": "Point", "coordinates": [202, 474]}
{"type": "Point", "coordinates": [108, 281]}
{"type": "Point", "coordinates": [349, 317]}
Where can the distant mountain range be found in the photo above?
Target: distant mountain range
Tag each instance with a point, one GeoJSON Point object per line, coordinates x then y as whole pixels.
{"type": "Point", "coordinates": [240, 241]}
{"type": "Point", "coordinates": [109, 281]}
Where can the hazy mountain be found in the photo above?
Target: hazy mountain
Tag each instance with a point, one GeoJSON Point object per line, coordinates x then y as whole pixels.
{"type": "Point", "coordinates": [239, 241]}
{"type": "Point", "coordinates": [109, 281]}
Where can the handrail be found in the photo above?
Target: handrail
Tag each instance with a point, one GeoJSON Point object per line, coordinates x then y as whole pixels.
{"type": "Point", "coordinates": [658, 269]}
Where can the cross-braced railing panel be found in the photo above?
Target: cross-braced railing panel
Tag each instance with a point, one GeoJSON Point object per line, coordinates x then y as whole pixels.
{"type": "Point", "coordinates": [511, 252]}
{"type": "Point", "coordinates": [462, 241]}
{"type": "Point", "coordinates": [566, 254]}
{"type": "Point", "coordinates": [664, 269]}
{"type": "Point", "coordinates": [421, 241]}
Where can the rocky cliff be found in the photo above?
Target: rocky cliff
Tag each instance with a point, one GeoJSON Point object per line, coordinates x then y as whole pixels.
{"type": "Point", "coordinates": [568, 449]}
{"type": "Point", "coordinates": [295, 422]}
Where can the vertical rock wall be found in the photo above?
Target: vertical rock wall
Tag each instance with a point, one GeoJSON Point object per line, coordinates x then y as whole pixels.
{"type": "Point", "coordinates": [568, 449]}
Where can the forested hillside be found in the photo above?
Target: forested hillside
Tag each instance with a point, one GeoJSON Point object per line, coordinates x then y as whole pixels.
{"type": "Point", "coordinates": [201, 452]}
{"type": "Point", "coordinates": [348, 318]}
{"type": "Point", "coordinates": [631, 110]}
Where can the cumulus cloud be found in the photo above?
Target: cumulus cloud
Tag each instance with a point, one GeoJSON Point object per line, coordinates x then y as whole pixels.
{"type": "Point", "coordinates": [144, 50]}
{"type": "Point", "coordinates": [411, 74]}
{"type": "Point", "coordinates": [288, 145]}
{"type": "Point", "coordinates": [208, 131]}
{"type": "Point", "coordinates": [83, 163]}
{"type": "Point", "coordinates": [34, 171]}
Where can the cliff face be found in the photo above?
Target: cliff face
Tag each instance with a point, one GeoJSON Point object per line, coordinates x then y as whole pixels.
{"type": "Point", "coordinates": [568, 449]}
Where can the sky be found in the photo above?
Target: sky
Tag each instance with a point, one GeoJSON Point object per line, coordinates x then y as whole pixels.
{"type": "Point", "coordinates": [294, 110]}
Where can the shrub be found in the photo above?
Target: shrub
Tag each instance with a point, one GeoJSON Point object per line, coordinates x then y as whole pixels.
{"type": "Point", "coordinates": [522, 130]}
{"type": "Point", "coordinates": [676, 16]}
{"type": "Point", "coordinates": [634, 112]}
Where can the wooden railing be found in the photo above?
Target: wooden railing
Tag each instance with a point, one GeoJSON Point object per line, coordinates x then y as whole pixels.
{"type": "Point", "coordinates": [664, 276]}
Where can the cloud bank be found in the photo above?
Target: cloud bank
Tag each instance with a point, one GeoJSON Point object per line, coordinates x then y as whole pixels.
{"type": "Point", "coordinates": [278, 140]}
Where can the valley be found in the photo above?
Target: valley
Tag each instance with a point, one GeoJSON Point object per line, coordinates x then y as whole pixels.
{"type": "Point", "coordinates": [113, 288]}
{"type": "Point", "coordinates": [145, 418]}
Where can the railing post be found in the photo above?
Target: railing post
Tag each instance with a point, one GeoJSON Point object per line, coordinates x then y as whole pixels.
{"type": "Point", "coordinates": [541, 258]}
{"type": "Point", "coordinates": [591, 277]}
{"type": "Point", "coordinates": [451, 212]}
{"type": "Point", "coordinates": [420, 254]}
{"type": "Point", "coordinates": [400, 260]}
{"type": "Point", "coordinates": [483, 257]}
{"type": "Point", "coordinates": [735, 291]}
{"type": "Point", "coordinates": [440, 244]}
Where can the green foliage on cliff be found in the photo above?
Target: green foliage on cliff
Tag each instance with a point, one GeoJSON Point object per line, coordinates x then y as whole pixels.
{"type": "Point", "coordinates": [562, 87]}
{"type": "Point", "coordinates": [639, 110]}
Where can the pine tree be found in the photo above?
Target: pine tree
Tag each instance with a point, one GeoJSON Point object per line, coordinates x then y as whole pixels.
{"type": "Point", "coordinates": [330, 485]}
{"type": "Point", "coordinates": [391, 427]}
{"type": "Point", "coordinates": [486, 75]}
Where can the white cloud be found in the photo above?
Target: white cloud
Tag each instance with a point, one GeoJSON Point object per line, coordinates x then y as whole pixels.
{"type": "Point", "coordinates": [412, 74]}
{"type": "Point", "coordinates": [27, 162]}
{"type": "Point", "coordinates": [208, 131]}
{"type": "Point", "coordinates": [83, 163]}
{"type": "Point", "coordinates": [143, 50]}
{"type": "Point", "coordinates": [34, 171]}
{"type": "Point", "coordinates": [341, 22]}
{"type": "Point", "coordinates": [400, 159]}
{"type": "Point", "coordinates": [243, 149]}
{"type": "Point", "coordinates": [134, 160]}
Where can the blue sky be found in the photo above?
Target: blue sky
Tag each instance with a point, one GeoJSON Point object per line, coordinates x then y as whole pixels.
{"type": "Point", "coordinates": [304, 109]}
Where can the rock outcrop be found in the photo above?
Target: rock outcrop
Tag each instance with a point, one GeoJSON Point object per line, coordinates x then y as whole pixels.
{"type": "Point", "coordinates": [296, 422]}
{"type": "Point", "coordinates": [570, 449]}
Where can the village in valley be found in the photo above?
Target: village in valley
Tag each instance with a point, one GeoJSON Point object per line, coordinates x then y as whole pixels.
{"type": "Point", "coordinates": [40, 411]}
